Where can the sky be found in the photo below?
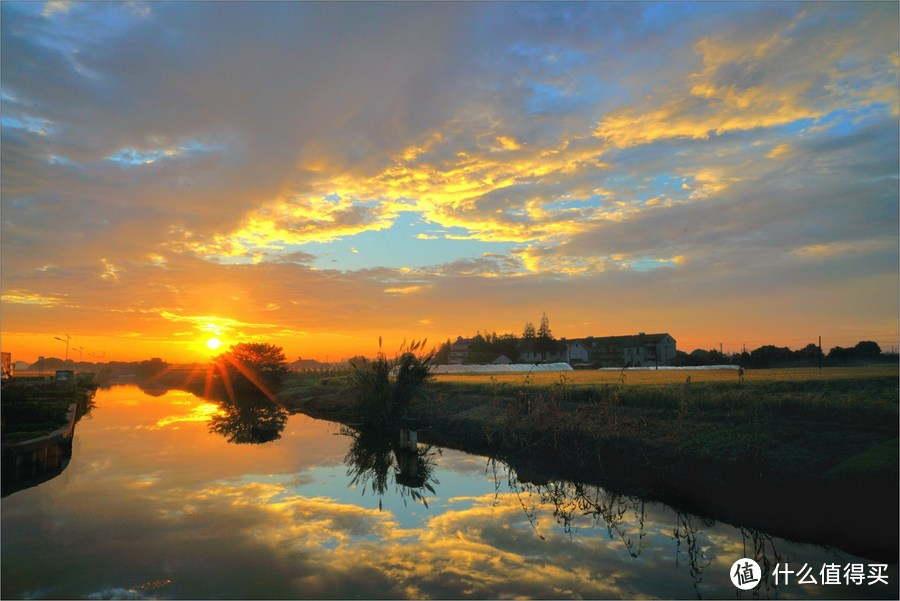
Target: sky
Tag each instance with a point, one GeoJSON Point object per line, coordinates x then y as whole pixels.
{"type": "Point", "coordinates": [322, 175]}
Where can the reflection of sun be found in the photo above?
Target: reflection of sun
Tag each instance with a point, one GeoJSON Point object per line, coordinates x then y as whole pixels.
{"type": "Point", "coordinates": [213, 343]}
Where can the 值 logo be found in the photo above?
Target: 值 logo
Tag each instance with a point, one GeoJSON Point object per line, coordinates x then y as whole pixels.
{"type": "Point", "coordinates": [745, 573]}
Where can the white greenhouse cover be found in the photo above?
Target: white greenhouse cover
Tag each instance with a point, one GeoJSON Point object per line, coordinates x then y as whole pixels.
{"type": "Point", "coordinates": [672, 368]}
{"type": "Point", "coordinates": [497, 369]}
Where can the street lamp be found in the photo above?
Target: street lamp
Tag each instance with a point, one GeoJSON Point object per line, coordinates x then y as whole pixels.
{"type": "Point", "coordinates": [80, 350]}
{"type": "Point", "coordinates": [68, 338]}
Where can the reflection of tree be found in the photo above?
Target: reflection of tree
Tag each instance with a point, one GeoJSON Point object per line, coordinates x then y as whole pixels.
{"type": "Point", "coordinates": [624, 518]}
{"type": "Point", "coordinates": [374, 460]}
{"type": "Point", "coordinates": [763, 551]}
{"type": "Point", "coordinates": [570, 502]}
{"type": "Point", "coordinates": [250, 419]}
{"type": "Point", "coordinates": [688, 546]}
{"type": "Point", "coordinates": [86, 404]}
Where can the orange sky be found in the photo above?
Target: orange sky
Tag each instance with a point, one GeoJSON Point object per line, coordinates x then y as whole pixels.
{"type": "Point", "coordinates": [319, 175]}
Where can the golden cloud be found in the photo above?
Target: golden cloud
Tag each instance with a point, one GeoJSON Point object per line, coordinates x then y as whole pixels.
{"type": "Point", "coordinates": [213, 324]}
{"type": "Point", "coordinates": [731, 92]}
{"type": "Point", "coordinates": [779, 151]}
{"type": "Point", "coordinates": [405, 289]}
{"type": "Point", "coordinates": [839, 249]}
{"type": "Point", "coordinates": [30, 298]}
{"type": "Point", "coordinates": [484, 195]}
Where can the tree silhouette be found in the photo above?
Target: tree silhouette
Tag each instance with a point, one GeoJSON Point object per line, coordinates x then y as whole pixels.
{"type": "Point", "coordinates": [867, 349]}
{"type": "Point", "coordinates": [544, 330]}
{"type": "Point", "coordinates": [545, 343]}
{"type": "Point", "coordinates": [251, 368]}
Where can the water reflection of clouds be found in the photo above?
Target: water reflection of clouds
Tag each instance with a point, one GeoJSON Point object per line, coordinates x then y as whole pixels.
{"type": "Point", "coordinates": [208, 519]}
{"type": "Point", "coordinates": [485, 550]}
{"type": "Point", "coordinates": [199, 412]}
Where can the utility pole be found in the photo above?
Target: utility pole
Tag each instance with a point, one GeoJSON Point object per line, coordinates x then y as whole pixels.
{"type": "Point", "coordinates": [820, 352]}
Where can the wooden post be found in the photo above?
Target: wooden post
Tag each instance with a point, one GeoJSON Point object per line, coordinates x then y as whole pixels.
{"type": "Point", "coordinates": [408, 439]}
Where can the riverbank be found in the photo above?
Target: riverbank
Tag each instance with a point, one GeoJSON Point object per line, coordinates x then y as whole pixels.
{"type": "Point", "coordinates": [33, 408]}
{"type": "Point", "coordinates": [39, 419]}
{"type": "Point", "coordinates": [801, 457]}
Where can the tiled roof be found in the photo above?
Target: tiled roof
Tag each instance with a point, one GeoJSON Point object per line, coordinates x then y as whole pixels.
{"type": "Point", "coordinates": [631, 339]}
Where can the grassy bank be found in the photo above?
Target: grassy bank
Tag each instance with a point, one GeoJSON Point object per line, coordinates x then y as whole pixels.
{"type": "Point", "coordinates": [781, 443]}
{"type": "Point", "coordinates": [34, 408]}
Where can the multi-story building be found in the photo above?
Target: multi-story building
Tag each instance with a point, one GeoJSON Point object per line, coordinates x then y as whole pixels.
{"type": "Point", "coordinates": [636, 350]}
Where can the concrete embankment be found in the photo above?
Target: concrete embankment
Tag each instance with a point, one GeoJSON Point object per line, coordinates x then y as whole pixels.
{"type": "Point", "coordinates": [39, 419]}
{"type": "Point", "coordinates": [32, 461]}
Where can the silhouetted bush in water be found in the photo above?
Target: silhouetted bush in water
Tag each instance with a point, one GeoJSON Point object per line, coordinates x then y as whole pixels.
{"type": "Point", "coordinates": [384, 387]}
{"type": "Point", "coordinates": [374, 461]}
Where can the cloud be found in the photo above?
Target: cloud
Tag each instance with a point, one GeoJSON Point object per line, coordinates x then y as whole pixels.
{"type": "Point", "coordinates": [761, 78]}
{"type": "Point", "coordinates": [178, 156]}
{"type": "Point", "coordinates": [404, 290]}
{"type": "Point", "coordinates": [27, 298]}
{"type": "Point", "coordinates": [56, 6]}
{"type": "Point", "coordinates": [180, 98]}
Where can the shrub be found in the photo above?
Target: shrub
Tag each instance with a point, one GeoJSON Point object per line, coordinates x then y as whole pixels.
{"type": "Point", "coordinates": [370, 381]}
{"type": "Point", "coordinates": [384, 387]}
{"type": "Point", "coordinates": [412, 371]}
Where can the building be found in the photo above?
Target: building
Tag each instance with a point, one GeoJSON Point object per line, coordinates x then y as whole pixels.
{"type": "Point", "coordinates": [6, 363]}
{"type": "Point", "coordinates": [577, 352]}
{"type": "Point", "coordinates": [553, 351]}
{"type": "Point", "coordinates": [65, 376]}
{"type": "Point", "coordinates": [459, 351]}
{"type": "Point", "coordinates": [636, 350]}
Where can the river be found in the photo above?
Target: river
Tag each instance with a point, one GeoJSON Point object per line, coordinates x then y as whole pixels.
{"type": "Point", "coordinates": [168, 497]}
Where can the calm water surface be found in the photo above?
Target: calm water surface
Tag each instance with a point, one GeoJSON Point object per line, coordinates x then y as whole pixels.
{"type": "Point", "coordinates": [161, 500]}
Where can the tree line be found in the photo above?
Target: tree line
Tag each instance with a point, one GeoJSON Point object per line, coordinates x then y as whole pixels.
{"type": "Point", "coordinates": [484, 348]}
{"type": "Point", "coordinates": [769, 355]}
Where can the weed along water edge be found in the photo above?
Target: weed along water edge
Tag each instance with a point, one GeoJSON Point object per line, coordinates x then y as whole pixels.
{"type": "Point", "coordinates": [257, 504]}
{"type": "Point", "coordinates": [787, 451]}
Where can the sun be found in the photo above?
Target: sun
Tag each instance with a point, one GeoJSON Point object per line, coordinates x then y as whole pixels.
{"type": "Point", "coordinates": [213, 343]}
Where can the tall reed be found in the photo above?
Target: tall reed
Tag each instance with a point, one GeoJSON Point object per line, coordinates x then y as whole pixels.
{"type": "Point", "coordinates": [384, 387]}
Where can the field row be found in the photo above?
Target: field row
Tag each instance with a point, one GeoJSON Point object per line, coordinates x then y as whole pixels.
{"type": "Point", "coordinates": [589, 377]}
